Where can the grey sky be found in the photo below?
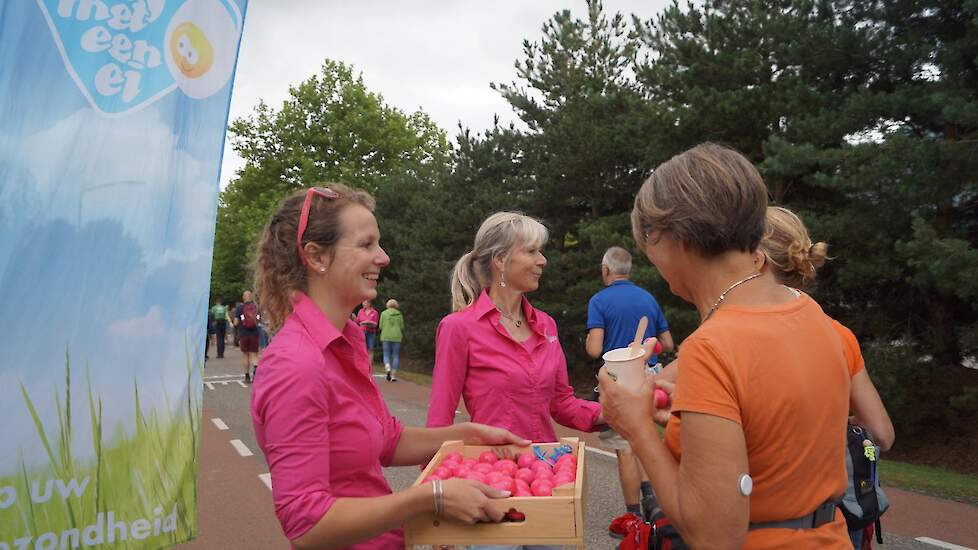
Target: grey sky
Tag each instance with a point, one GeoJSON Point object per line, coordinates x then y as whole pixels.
{"type": "Point", "coordinates": [439, 56]}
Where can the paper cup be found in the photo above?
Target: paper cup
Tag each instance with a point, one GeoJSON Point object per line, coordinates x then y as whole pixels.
{"type": "Point", "coordinates": [626, 365]}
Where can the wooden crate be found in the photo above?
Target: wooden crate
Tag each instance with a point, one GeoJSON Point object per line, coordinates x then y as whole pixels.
{"type": "Point", "coordinates": [554, 520]}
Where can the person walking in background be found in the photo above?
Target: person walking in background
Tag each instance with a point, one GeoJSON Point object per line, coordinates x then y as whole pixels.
{"type": "Point", "coordinates": [612, 316]}
{"type": "Point", "coordinates": [247, 318]}
{"type": "Point", "coordinates": [219, 316]}
{"type": "Point", "coordinates": [369, 319]}
{"type": "Point", "coordinates": [391, 334]}
{"type": "Point", "coordinates": [319, 419]}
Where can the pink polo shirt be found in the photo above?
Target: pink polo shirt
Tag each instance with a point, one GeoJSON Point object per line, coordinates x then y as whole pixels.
{"type": "Point", "coordinates": [512, 385]}
{"type": "Point", "coordinates": [323, 426]}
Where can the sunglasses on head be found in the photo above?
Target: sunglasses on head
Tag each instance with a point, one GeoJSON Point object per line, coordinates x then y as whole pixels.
{"type": "Point", "coordinates": [324, 192]}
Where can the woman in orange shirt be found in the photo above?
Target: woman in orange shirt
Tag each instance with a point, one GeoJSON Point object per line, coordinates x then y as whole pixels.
{"type": "Point", "coordinates": [758, 460]}
{"type": "Point", "coordinates": [788, 255]}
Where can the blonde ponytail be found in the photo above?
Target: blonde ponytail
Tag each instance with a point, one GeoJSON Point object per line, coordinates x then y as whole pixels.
{"type": "Point", "coordinates": [465, 283]}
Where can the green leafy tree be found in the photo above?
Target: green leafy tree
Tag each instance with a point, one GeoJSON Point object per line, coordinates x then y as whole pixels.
{"type": "Point", "coordinates": [330, 129]}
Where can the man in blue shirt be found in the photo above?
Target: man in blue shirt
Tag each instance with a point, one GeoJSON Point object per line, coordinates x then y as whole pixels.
{"type": "Point", "coordinates": [613, 315]}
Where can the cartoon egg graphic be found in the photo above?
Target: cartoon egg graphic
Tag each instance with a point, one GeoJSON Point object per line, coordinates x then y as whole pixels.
{"type": "Point", "coordinates": [200, 45]}
{"type": "Point", "coordinates": [191, 51]}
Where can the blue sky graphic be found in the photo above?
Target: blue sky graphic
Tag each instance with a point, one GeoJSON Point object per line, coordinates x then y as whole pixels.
{"type": "Point", "coordinates": [106, 232]}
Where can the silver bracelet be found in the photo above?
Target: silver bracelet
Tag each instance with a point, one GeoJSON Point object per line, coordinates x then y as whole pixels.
{"type": "Point", "coordinates": [437, 494]}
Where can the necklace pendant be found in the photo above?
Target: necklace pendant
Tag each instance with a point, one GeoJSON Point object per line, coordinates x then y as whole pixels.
{"type": "Point", "coordinates": [518, 323]}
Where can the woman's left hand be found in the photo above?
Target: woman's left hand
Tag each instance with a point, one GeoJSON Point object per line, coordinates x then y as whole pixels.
{"type": "Point", "coordinates": [627, 409]}
{"type": "Point", "coordinates": [481, 434]}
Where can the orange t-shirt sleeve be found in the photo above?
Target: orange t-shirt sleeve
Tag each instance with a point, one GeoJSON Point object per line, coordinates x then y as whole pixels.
{"type": "Point", "coordinates": [850, 348]}
{"type": "Point", "coordinates": [706, 383]}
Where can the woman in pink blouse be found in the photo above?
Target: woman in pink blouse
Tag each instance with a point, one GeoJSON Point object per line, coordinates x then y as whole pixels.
{"type": "Point", "coordinates": [497, 350]}
{"type": "Point", "coordinates": [321, 422]}
{"type": "Point", "coordinates": [368, 318]}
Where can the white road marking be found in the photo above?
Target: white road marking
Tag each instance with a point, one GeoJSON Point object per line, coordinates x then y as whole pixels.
{"type": "Point", "coordinates": [267, 480]}
{"type": "Point", "coordinates": [220, 376]}
{"type": "Point", "coordinates": [219, 423]}
{"type": "Point", "coordinates": [209, 386]}
{"type": "Point", "coordinates": [241, 383]}
{"type": "Point", "coordinates": [380, 376]}
{"type": "Point", "coordinates": [941, 544]}
{"type": "Point", "coordinates": [242, 449]}
{"type": "Point", "coordinates": [222, 382]}
{"type": "Point", "coordinates": [602, 452]}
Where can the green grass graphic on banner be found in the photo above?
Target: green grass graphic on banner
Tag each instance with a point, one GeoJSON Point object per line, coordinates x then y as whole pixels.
{"type": "Point", "coordinates": [138, 490]}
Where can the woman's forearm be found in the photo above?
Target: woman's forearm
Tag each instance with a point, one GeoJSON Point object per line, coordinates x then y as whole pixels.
{"type": "Point", "coordinates": [418, 445]}
{"type": "Point", "coordinates": [352, 520]}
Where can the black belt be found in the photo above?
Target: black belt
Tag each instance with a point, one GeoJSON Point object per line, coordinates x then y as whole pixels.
{"type": "Point", "coordinates": [825, 513]}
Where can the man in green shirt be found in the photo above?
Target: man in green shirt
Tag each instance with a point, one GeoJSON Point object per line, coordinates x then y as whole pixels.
{"type": "Point", "coordinates": [219, 313]}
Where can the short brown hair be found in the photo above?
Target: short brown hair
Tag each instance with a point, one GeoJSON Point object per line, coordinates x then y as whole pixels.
{"type": "Point", "coordinates": [279, 270]}
{"type": "Point", "coordinates": [710, 198]}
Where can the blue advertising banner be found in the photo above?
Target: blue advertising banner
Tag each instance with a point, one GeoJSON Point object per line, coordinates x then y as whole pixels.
{"type": "Point", "coordinates": [112, 122]}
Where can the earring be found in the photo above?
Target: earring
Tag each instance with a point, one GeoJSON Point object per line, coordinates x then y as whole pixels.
{"type": "Point", "coordinates": [322, 270]}
{"type": "Point", "coordinates": [502, 281]}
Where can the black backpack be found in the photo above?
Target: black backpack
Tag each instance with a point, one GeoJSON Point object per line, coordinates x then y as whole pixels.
{"type": "Point", "coordinates": [864, 501]}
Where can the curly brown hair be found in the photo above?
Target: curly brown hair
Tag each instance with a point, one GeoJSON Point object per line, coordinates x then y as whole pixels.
{"type": "Point", "coordinates": [279, 271]}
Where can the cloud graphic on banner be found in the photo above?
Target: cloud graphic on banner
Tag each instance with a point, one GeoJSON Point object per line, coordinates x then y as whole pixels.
{"type": "Point", "coordinates": [130, 176]}
{"type": "Point", "coordinates": [126, 55]}
{"type": "Point", "coordinates": [149, 325]}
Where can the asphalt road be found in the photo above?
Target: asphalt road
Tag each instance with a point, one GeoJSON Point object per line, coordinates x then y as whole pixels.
{"type": "Point", "coordinates": [235, 502]}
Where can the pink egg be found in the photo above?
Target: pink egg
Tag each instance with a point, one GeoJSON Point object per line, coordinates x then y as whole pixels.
{"type": "Point", "coordinates": [433, 476]}
{"type": "Point", "coordinates": [522, 492]}
{"type": "Point", "coordinates": [443, 472]}
{"type": "Point", "coordinates": [568, 467]}
{"type": "Point", "coordinates": [540, 465]}
{"type": "Point", "coordinates": [562, 480]}
{"type": "Point", "coordinates": [506, 465]}
{"type": "Point", "coordinates": [524, 460]}
{"type": "Point", "coordinates": [543, 474]}
{"type": "Point", "coordinates": [520, 484]}
{"type": "Point", "coordinates": [525, 474]}
{"type": "Point", "coordinates": [455, 457]}
{"type": "Point", "coordinates": [488, 457]}
{"type": "Point", "coordinates": [502, 486]}
{"type": "Point", "coordinates": [564, 473]}
{"type": "Point", "coordinates": [462, 472]}
{"type": "Point", "coordinates": [469, 462]}
{"type": "Point", "coordinates": [542, 488]}
{"type": "Point", "coordinates": [565, 459]}
{"type": "Point", "coordinates": [493, 477]}
{"type": "Point", "coordinates": [483, 467]}
{"type": "Point", "coordinates": [477, 476]}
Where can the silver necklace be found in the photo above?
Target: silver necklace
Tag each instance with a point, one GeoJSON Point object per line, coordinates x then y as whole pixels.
{"type": "Point", "coordinates": [516, 322]}
{"type": "Point", "coordinates": [723, 295]}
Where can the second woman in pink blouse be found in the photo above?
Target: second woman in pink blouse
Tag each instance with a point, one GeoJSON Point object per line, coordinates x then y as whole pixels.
{"type": "Point", "coordinates": [496, 349]}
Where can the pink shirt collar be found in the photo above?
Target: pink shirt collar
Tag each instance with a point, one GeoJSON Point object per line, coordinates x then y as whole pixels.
{"type": "Point", "coordinates": [485, 306]}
